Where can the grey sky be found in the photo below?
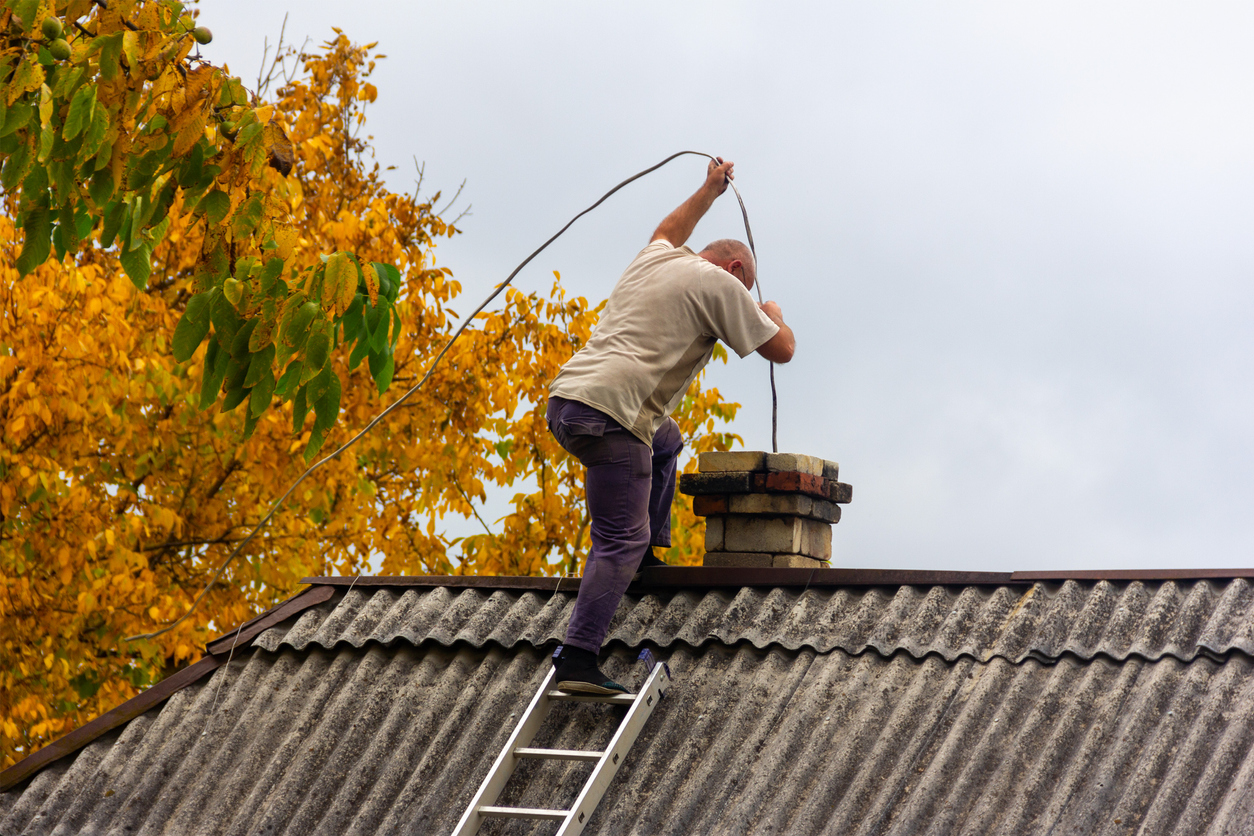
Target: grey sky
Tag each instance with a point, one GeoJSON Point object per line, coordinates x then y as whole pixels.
{"type": "Point", "coordinates": [1013, 239]}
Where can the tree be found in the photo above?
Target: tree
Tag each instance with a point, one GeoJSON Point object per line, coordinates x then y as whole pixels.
{"type": "Point", "coordinates": [119, 494]}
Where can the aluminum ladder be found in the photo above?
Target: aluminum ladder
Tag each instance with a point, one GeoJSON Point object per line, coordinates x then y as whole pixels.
{"type": "Point", "coordinates": [640, 706]}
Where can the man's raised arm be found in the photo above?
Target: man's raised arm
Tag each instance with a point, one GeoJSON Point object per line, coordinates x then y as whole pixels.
{"type": "Point", "coordinates": [678, 225]}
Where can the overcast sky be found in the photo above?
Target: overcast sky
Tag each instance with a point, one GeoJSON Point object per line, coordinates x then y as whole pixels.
{"type": "Point", "coordinates": [1014, 240]}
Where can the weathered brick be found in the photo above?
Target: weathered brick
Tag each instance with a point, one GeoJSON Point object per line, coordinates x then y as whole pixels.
{"type": "Point", "coordinates": [779, 462]}
{"type": "Point", "coordinates": [696, 484]}
{"type": "Point", "coordinates": [714, 528]}
{"type": "Point", "coordinates": [778, 535]}
{"type": "Point", "coordinates": [740, 461]}
{"type": "Point", "coordinates": [706, 506]}
{"type": "Point", "coordinates": [831, 471]}
{"type": "Point", "coordinates": [783, 504]}
{"type": "Point", "coordinates": [797, 561]}
{"type": "Point", "coordinates": [840, 492]}
{"type": "Point", "coordinates": [733, 560]}
{"type": "Point", "coordinates": [790, 481]}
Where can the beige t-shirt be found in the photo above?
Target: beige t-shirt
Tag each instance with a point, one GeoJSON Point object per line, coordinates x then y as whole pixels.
{"type": "Point", "coordinates": [656, 333]}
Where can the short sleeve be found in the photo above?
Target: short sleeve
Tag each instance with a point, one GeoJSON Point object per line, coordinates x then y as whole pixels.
{"type": "Point", "coordinates": [732, 315]}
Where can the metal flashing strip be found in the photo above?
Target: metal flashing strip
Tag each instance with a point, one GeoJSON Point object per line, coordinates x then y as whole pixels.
{"type": "Point", "coordinates": [710, 577]}
{"type": "Point", "coordinates": [217, 652]}
{"type": "Point", "coordinates": [1134, 575]}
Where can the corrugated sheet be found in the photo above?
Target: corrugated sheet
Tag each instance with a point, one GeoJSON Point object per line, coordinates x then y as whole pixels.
{"type": "Point", "coordinates": [395, 740]}
{"type": "Point", "coordinates": [1176, 619]}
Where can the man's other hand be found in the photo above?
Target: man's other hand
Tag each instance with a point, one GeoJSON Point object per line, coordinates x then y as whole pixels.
{"type": "Point", "coordinates": [779, 348]}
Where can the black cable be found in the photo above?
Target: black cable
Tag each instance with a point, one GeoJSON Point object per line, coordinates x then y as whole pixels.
{"type": "Point", "coordinates": [465, 323]}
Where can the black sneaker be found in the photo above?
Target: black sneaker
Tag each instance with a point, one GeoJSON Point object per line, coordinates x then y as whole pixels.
{"type": "Point", "coordinates": [577, 673]}
{"type": "Point", "coordinates": [649, 561]}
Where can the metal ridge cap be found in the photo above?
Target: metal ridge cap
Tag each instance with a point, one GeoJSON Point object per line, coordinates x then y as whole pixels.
{"type": "Point", "coordinates": [689, 577]}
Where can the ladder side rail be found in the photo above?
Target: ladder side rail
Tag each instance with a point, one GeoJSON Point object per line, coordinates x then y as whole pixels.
{"type": "Point", "coordinates": [603, 773]}
{"type": "Point", "coordinates": [494, 782]}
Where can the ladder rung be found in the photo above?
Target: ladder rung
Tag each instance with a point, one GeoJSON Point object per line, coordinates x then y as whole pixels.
{"type": "Point", "coordinates": [558, 754]}
{"type": "Point", "coordinates": [616, 699]}
{"type": "Point", "coordinates": [524, 813]}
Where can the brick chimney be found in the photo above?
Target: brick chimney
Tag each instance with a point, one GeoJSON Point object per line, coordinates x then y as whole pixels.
{"type": "Point", "coordinates": [766, 509]}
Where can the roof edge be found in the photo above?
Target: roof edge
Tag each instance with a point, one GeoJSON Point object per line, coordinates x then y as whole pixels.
{"type": "Point", "coordinates": [217, 653]}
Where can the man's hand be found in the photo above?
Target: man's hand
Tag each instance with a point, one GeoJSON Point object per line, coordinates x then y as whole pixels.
{"type": "Point", "coordinates": [717, 173]}
{"type": "Point", "coordinates": [779, 348]}
{"type": "Point", "coordinates": [678, 225]}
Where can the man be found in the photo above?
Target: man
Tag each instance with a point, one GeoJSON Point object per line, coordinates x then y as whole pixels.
{"type": "Point", "coordinates": [610, 405]}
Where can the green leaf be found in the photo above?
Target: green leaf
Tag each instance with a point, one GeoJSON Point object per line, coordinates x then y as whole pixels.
{"type": "Point", "coordinates": [359, 353]}
{"type": "Point", "coordinates": [250, 421]}
{"type": "Point", "coordinates": [93, 139]}
{"type": "Point", "coordinates": [216, 363]}
{"type": "Point", "coordinates": [382, 367]}
{"type": "Point", "coordinates": [35, 188]}
{"type": "Point", "coordinates": [37, 244]}
{"type": "Point", "coordinates": [327, 407]}
{"type": "Point", "coordinates": [311, 449]}
{"type": "Point", "coordinates": [82, 110]}
{"type": "Point", "coordinates": [379, 329]}
{"type": "Point", "coordinates": [394, 279]}
{"type": "Point", "coordinates": [138, 264]}
{"type": "Point", "coordinates": [318, 349]}
{"type": "Point", "coordinates": [66, 82]}
{"type": "Point", "coordinates": [193, 163]}
{"type": "Point", "coordinates": [285, 382]}
{"type": "Point", "coordinates": [234, 397]}
{"type": "Point", "coordinates": [83, 221]}
{"type": "Point", "coordinates": [259, 367]}
{"type": "Point", "coordinates": [142, 171]}
{"type": "Point", "coordinates": [376, 325]}
{"type": "Point", "coordinates": [300, 409]}
{"type": "Point", "coordinates": [262, 394]}
{"type": "Point", "coordinates": [214, 206]}
{"type": "Point", "coordinates": [101, 187]}
{"type": "Point", "coordinates": [15, 167]}
{"type": "Point", "coordinates": [236, 371]}
{"type": "Point", "coordinates": [247, 216]}
{"type": "Point", "coordinates": [272, 270]}
{"type": "Point", "coordinates": [250, 134]}
{"type": "Point", "coordinates": [239, 345]}
{"type": "Point", "coordinates": [318, 386]}
{"type": "Point", "coordinates": [298, 329]}
{"type": "Point", "coordinates": [110, 47]}
{"type": "Point", "coordinates": [16, 118]}
{"type": "Point", "coordinates": [26, 11]}
{"type": "Point", "coordinates": [225, 319]}
{"type": "Point", "coordinates": [114, 215]}
{"type": "Point", "coordinates": [192, 328]}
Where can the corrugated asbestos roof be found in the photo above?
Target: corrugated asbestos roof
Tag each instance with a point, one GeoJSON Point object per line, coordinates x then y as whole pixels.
{"type": "Point", "coordinates": [396, 740]}
{"type": "Point", "coordinates": [1093, 708]}
{"type": "Point", "coordinates": [1180, 619]}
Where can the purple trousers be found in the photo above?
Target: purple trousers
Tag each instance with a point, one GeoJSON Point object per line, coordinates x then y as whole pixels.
{"type": "Point", "coordinates": [630, 489]}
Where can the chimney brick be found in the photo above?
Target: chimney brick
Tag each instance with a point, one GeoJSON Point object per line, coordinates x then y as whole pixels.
{"type": "Point", "coordinates": [766, 509]}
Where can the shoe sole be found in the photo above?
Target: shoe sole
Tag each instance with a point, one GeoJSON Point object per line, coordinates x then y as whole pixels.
{"type": "Point", "coordinates": [574, 686]}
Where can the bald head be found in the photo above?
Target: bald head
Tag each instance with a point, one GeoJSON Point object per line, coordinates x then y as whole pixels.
{"type": "Point", "coordinates": [734, 257]}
